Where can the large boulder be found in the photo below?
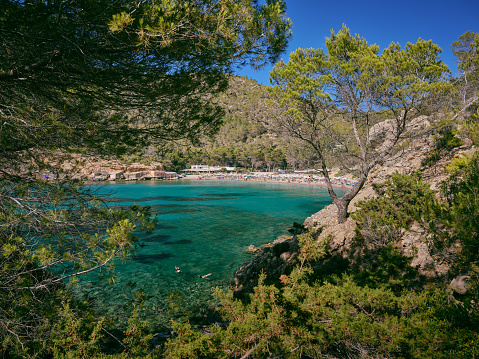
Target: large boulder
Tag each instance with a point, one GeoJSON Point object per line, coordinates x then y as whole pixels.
{"type": "Point", "coordinates": [275, 261]}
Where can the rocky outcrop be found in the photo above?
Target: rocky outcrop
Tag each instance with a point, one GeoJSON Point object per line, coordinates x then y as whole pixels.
{"type": "Point", "coordinates": [91, 168]}
{"type": "Point", "coordinates": [460, 284]}
{"type": "Point", "coordinates": [95, 167]}
{"type": "Point", "coordinates": [252, 249]}
{"type": "Point", "coordinates": [275, 260]}
{"type": "Point", "coordinates": [414, 242]}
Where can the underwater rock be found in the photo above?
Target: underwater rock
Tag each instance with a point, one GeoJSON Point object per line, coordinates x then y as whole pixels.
{"type": "Point", "coordinates": [253, 249]}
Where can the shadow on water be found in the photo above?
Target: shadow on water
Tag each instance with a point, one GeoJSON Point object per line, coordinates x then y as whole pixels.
{"type": "Point", "coordinates": [169, 199]}
{"type": "Point", "coordinates": [151, 258]}
{"type": "Point", "coordinates": [162, 226]}
{"type": "Point", "coordinates": [227, 195]}
{"type": "Point", "coordinates": [155, 238]}
{"type": "Point", "coordinates": [181, 241]}
{"type": "Point", "coordinates": [160, 210]}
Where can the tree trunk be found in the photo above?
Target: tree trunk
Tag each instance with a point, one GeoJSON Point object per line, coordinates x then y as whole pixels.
{"type": "Point", "coordinates": [342, 205]}
{"type": "Point", "coordinates": [343, 202]}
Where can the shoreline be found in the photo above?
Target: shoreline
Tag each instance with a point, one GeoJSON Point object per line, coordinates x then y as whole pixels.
{"type": "Point", "coordinates": [261, 177]}
{"type": "Point", "coordinates": [268, 177]}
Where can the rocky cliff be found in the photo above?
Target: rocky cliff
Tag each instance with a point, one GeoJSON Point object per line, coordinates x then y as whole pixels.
{"type": "Point", "coordinates": [91, 168]}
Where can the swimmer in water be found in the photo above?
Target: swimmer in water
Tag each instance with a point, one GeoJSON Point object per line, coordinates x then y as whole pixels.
{"type": "Point", "coordinates": [178, 270]}
{"type": "Point", "coordinates": [205, 276]}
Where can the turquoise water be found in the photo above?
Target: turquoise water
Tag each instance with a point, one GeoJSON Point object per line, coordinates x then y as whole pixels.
{"type": "Point", "coordinates": [204, 227]}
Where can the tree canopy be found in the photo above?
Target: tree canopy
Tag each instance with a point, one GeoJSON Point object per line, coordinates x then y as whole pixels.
{"type": "Point", "coordinates": [332, 101]}
{"type": "Point", "coordinates": [466, 49]}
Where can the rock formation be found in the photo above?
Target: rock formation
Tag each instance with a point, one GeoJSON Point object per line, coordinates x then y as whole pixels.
{"type": "Point", "coordinates": [96, 169]}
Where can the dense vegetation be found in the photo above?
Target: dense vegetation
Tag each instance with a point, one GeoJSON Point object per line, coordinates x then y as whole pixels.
{"type": "Point", "coordinates": [376, 306]}
{"type": "Point", "coordinates": [108, 78]}
{"type": "Point", "coordinates": [242, 140]}
{"type": "Point", "coordinates": [100, 78]}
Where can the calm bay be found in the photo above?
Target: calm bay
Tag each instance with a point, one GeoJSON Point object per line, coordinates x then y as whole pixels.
{"type": "Point", "coordinates": [203, 227]}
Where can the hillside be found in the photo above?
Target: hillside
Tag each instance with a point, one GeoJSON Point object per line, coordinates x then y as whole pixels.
{"type": "Point", "coordinates": [399, 278]}
{"type": "Point", "coordinates": [242, 140]}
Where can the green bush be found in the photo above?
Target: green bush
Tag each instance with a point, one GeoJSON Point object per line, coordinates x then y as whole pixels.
{"type": "Point", "coordinates": [461, 215]}
{"type": "Point", "coordinates": [431, 159]}
{"type": "Point", "coordinates": [401, 200]}
{"type": "Point", "coordinates": [341, 320]}
{"type": "Point", "coordinates": [471, 127]}
{"type": "Point", "coordinates": [445, 141]}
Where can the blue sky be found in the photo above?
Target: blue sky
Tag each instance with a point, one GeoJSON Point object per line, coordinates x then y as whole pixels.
{"type": "Point", "coordinates": [379, 22]}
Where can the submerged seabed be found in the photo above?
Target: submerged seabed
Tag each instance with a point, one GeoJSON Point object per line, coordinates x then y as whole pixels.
{"type": "Point", "coordinates": [204, 227]}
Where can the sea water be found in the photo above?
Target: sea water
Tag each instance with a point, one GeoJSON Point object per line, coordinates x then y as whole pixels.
{"type": "Point", "coordinates": [203, 227]}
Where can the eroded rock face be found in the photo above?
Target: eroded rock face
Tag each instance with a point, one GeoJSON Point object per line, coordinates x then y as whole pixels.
{"type": "Point", "coordinates": [92, 167]}
{"type": "Point", "coordinates": [460, 284]}
{"type": "Point", "coordinates": [86, 168]}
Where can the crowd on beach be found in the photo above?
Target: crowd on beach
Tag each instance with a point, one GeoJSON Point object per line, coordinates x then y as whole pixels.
{"type": "Point", "coordinates": [301, 178]}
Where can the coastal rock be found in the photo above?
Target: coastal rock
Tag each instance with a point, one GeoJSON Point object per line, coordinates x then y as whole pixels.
{"type": "Point", "coordinates": [339, 235]}
{"type": "Point", "coordinates": [274, 261]}
{"type": "Point", "coordinates": [252, 249]}
{"type": "Point", "coordinates": [99, 169]}
{"type": "Point", "coordinates": [281, 239]}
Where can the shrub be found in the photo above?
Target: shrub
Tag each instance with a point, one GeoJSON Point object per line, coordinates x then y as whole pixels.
{"type": "Point", "coordinates": [445, 141]}
{"type": "Point", "coordinates": [401, 200]}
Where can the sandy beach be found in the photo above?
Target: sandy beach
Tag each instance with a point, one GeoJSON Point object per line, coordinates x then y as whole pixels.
{"type": "Point", "coordinates": [275, 177]}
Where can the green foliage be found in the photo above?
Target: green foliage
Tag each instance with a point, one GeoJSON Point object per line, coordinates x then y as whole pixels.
{"type": "Point", "coordinates": [432, 158]}
{"type": "Point", "coordinates": [400, 79]}
{"type": "Point", "coordinates": [191, 343]}
{"type": "Point", "coordinates": [471, 127]}
{"type": "Point", "coordinates": [75, 336]}
{"type": "Point", "coordinates": [451, 223]}
{"type": "Point", "coordinates": [25, 313]}
{"type": "Point", "coordinates": [310, 248]}
{"type": "Point", "coordinates": [242, 140]}
{"type": "Point", "coordinates": [462, 214]}
{"type": "Point", "coordinates": [444, 141]}
{"type": "Point", "coordinates": [105, 78]}
{"type": "Point", "coordinates": [387, 268]}
{"type": "Point", "coordinates": [466, 50]}
{"type": "Point", "coordinates": [447, 140]}
{"type": "Point", "coordinates": [129, 83]}
{"type": "Point", "coordinates": [401, 200]}
{"type": "Point", "coordinates": [325, 320]}
{"type": "Point", "coordinates": [231, 31]}
{"type": "Point", "coordinates": [36, 315]}
{"type": "Point", "coordinates": [334, 103]}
